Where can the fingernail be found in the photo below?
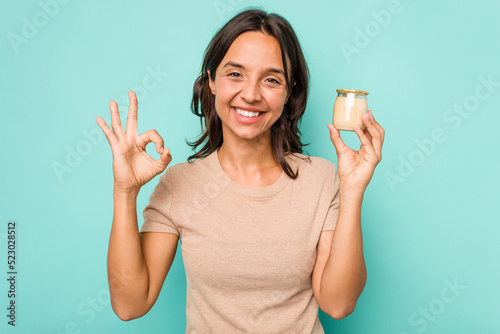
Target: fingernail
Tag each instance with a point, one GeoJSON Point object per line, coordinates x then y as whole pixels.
{"type": "Point", "coordinates": [161, 150]}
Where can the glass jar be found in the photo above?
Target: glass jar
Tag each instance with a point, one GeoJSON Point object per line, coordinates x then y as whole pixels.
{"type": "Point", "coordinates": [349, 106]}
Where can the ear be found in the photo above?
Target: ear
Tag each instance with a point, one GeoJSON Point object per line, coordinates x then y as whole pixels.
{"type": "Point", "coordinates": [211, 83]}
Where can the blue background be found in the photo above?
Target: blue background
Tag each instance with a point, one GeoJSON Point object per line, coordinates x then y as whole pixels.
{"type": "Point", "coordinates": [430, 215]}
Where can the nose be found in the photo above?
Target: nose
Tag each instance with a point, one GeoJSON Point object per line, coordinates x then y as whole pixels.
{"type": "Point", "coordinates": [251, 91]}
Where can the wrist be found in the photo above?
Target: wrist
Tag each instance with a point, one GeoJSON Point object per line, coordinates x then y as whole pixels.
{"type": "Point", "coordinates": [351, 191]}
{"type": "Point", "coordinates": [350, 201]}
{"type": "Point", "coordinates": [125, 192]}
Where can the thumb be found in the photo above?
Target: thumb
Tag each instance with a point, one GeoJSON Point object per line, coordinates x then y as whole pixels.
{"type": "Point", "coordinates": [164, 159]}
{"type": "Point", "coordinates": [335, 138]}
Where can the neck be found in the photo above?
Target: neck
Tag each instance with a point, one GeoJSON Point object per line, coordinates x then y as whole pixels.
{"type": "Point", "coordinates": [252, 166]}
{"type": "Point", "coordinates": [247, 157]}
{"type": "Point", "coordinates": [250, 162]}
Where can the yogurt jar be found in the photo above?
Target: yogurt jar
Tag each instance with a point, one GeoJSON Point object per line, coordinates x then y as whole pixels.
{"type": "Point", "coordinates": [349, 106]}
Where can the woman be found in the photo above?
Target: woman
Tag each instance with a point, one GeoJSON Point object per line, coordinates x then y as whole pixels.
{"type": "Point", "coordinates": [267, 234]}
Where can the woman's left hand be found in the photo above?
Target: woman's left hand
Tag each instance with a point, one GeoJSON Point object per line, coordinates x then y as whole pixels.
{"type": "Point", "coordinates": [356, 168]}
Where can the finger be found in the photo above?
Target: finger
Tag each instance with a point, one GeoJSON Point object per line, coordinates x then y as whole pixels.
{"type": "Point", "coordinates": [375, 122]}
{"type": "Point", "coordinates": [132, 113]}
{"type": "Point", "coordinates": [367, 133]}
{"type": "Point", "coordinates": [378, 126]}
{"type": "Point", "coordinates": [373, 135]}
{"type": "Point", "coordinates": [381, 131]}
{"type": "Point", "coordinates": [339, 144]}
{"type": "Point", "coordinates": [365, 143]}
{"type": "Point", "coordinates": [116, 123]}
{"type": "Point", "coordinates": [152, 136]}
{"type": "Point", "coordinates": [164, 159]}
{"type": "Point", "coordinates": [110, 136]}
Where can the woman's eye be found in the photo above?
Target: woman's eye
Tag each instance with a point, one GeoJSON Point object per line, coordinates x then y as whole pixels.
{"type": "Point", "coordinates": [274, 81]}
{"type": "Point", "coordinates": [234, 74]}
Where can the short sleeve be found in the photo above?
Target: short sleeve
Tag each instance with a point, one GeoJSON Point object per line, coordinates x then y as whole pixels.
{"type": "Point", "coordinates": [158, 213]}
{"type": "Point", "coordinates": [333, 193]}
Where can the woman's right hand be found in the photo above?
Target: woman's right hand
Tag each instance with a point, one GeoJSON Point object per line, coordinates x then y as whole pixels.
{"type": "Point", "coordinates": [132, 166]}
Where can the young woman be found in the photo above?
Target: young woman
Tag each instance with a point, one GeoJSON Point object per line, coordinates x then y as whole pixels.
{"type": "Point", "coordinates": [267, 233]}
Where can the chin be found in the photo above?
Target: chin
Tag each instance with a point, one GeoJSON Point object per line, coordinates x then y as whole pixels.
{"type": "Point", "coordinates": [247, 136]}
{"type": "Point", "coordinates": [250, 135]}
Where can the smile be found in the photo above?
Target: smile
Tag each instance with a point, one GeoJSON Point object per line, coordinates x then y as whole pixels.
{"type": "Point", "coordinates": [247, 113]}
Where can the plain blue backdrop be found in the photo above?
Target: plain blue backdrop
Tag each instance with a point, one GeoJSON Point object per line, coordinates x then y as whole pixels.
{"type": "Point", "coordinates": [430, 215]}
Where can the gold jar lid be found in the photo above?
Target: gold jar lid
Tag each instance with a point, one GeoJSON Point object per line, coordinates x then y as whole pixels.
{"type": "Point", "coordinates": [352, 91]}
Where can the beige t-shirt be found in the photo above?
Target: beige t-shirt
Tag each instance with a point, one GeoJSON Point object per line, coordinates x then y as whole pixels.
{"type": "Point", "coordinates": [248, 252]}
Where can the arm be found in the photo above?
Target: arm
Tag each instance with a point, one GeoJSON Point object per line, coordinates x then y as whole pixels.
{"type": "Point", "coordinates": [137, 264]}
{"type": "Point", "coordinates": [339, 275]}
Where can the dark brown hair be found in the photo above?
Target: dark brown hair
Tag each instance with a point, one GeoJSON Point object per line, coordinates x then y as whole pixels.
{"type": "Point", "coordinates": [285, 133]}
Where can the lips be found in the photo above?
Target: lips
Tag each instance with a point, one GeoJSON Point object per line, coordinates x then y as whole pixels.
{"type": "Point", "coordinates": [247, 113]}
{"type": "Point", "coordinates": [246, 116]}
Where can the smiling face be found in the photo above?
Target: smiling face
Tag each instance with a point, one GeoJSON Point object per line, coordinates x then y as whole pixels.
{"type": "Point", "coordinates": [250, 87]}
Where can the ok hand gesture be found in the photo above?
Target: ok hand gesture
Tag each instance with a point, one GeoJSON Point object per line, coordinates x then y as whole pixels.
{"type": "Point", "coordinates": [132, 166]}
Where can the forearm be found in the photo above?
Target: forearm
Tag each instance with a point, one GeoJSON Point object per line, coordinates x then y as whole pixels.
{"type": "Point", "coordinates": [127, 270]}
{"type": "Point", "coordinates": [344, 276]}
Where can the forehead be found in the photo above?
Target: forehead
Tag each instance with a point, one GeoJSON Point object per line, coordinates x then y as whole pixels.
{"type": "Point", "coordinates": [254, 49]}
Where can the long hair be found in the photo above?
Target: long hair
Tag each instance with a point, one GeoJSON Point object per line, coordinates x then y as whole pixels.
{"type": "Point", "coordinates": [285, 133]}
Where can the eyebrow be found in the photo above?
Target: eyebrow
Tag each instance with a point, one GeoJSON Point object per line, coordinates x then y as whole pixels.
{"type": "Point", "coordinates": [270, 69]}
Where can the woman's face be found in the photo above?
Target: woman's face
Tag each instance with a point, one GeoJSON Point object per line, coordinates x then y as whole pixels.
{"type": "Point", "coordinates": [250, 87]}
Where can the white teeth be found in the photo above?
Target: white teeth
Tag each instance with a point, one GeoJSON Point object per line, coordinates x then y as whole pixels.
{"type": "Point", "coordinates": [247, 113]}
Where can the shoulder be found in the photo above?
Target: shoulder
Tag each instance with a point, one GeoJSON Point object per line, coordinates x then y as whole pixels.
{"type": "Point", "coordinates": [316, 175]}
{"type": "Point", "coordinates": [191, 171]}
{"type": "Point", "coordinates": [311, 164]}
